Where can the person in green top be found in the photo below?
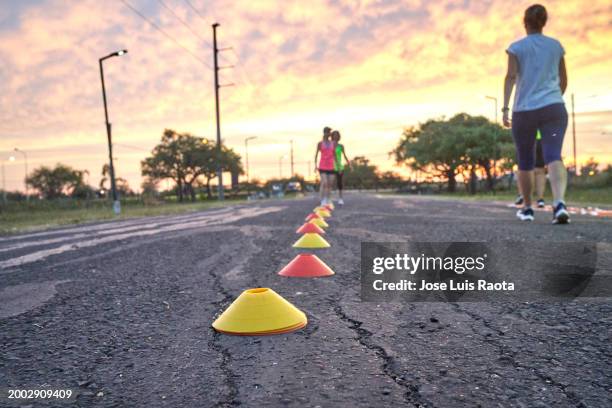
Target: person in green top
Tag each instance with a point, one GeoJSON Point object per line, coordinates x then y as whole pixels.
{"type": "Point", "coordinates": [339, 165]}
{"type": "Point", "coordinates": [539, 175]}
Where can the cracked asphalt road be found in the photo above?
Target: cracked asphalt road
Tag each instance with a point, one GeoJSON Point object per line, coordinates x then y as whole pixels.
{"type": "Point", "coordinates": [122, 311]}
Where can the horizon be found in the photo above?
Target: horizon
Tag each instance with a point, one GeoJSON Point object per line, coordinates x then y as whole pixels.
{"type": "Point", "coordinates": [293, 76]}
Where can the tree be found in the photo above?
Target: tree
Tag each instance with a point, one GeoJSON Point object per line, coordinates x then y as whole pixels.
{"type": "Point", "coordinates": [55, 182]}
{"type": "Point", "coordinates": [121, 184]}
{"type": "Point", "coordinates": [447, 148]}
{"type": "Point", "coordinates": [184, 158]}
{"type": "Point", "coordinates": [434, 148]}
{"type": "Point", "coordinates": [486, 145]}
{"type": "Point", "coordinates": [590, 168]}
{"type": "Point", "coordinates": [361, 174]}
{"type": "Point", "coordinates": [390, 179]}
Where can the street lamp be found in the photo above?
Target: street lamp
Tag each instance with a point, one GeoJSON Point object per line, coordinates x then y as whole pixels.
{"type": "Point", "coordinates": [494, 99]}
{"type": "Point", "coordinates": [246, 151]}
{"type": "Point", "coordinates": [116, 203]}
{"type": "Point", "coordinates": [25, 180]}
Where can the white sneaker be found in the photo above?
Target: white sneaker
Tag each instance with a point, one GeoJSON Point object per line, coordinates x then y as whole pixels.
{"type": "Point", "coordinates": [340, 202]}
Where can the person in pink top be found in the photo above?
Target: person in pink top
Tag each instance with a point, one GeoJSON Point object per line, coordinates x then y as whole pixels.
{"type": "Point", "coordinates": [325, 166]}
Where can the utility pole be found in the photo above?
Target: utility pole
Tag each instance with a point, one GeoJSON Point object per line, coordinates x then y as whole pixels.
{"type": "Point", "coordinates": [574, 135]}
{"type": "Point", "coordinates": [219, 168]}
{"type": "Point", "coordinates": [292, 173]}
{"type": "Point", "coordinates": [217, 68]}
{"type": "Point", "coordinates": [309, 168]}
{"type": "Point", "coordinates": [246, 151]}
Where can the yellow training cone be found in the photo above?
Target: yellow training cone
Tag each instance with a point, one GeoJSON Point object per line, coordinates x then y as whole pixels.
{"type": "Point", "coordinates": [319, 222]}
{"type": "Point", "coordinates": [260, 311]}
{"type": "Point", "coordinates": [311, 240]}
{"type": "Point", "coordinates": [323, 213]}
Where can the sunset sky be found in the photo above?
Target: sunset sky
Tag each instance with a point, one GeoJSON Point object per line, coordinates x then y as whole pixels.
{"type": "Point", "coordinates": [367, 68]}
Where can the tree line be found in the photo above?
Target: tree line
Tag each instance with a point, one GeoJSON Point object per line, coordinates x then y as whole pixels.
{"type": "Point", "coordinates": [470, 147]}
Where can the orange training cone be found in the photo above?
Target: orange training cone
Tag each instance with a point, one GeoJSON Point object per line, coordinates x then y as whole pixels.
{"type": "Point", "coordinates": [311, 241]}
{"type": "Point", "coordinates": [310, 228]}
{"type": "Point", "coordinates": [306, 266]}
{"type": "Point", "coordinates": [319, 222]}
{"type": "Point", "coordinates": [260, 311]}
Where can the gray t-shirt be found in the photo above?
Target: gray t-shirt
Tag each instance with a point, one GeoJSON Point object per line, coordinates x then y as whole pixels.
{"type": "Point", "coordinates": [538, 72]}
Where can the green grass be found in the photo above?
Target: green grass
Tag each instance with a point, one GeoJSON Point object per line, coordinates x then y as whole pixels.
{"type": "Point", "coordinates": [22, 217]}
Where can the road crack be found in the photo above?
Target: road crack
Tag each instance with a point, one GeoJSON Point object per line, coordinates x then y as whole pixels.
{"type": "Point", "coordinates": [364, 336]}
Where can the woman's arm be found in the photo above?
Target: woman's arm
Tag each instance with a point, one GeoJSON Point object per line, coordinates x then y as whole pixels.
{"type": "Point", "coordinates": [562, 75]}
{"type": "Point", "coordinates": [348, 162]}
{"type": "Point", "coordinates": [317, 155]}
{"type": "Point", "coordinates": [509, 81]}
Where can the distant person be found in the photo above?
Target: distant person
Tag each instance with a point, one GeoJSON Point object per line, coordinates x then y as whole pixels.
{"type": "Point", "coordinates": [326, 165]}
{"type": "Point", "coordinates": [339, 165]}
{"type": "Point", "coordinates": [537, 66]}
{"type": "Point", "coordinates": [539, 175]}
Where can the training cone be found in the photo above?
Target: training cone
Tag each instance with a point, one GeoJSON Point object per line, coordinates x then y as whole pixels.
{"type": "Point", "coordinates": [323, 213]}
{"type": "Point", "coordinates": [306, 266]}
{"type": "Point", "coordinates": [312, 241]}
{"type": "Point", "coordinates": [329, 207]}
{"type": "Point", "coordinates": [319, 222]}
{"type": "Point", "coordinates": [310, 228]}
{"type": "Point", "coordinates": [312, 216]}
{"type": "Point", "coordinates": [260, 311]}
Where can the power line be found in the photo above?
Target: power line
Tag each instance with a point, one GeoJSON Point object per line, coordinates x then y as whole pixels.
{"type": "Point", "coordinates": [131, 147]}
{"type": "Point", "coordinates": [196, 11]}
{"type": "Point", "coordinates": [161, 30]}
{"type": "Point", "coordinates": [240, 66]}
{"type": "Point", "coordinates": [183, 22]}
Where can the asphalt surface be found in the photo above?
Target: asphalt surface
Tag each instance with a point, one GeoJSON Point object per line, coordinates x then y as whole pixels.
{"type": "Point", "coordinates": [122, 312]}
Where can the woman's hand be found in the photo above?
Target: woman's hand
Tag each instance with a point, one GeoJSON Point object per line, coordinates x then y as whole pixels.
{"type": "Point", "coordinates": [506, 119]}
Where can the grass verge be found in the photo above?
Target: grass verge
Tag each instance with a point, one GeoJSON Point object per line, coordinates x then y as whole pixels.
{"type": "Point", "coordinates": [22, 217]}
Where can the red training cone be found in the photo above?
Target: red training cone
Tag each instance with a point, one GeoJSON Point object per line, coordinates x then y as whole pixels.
{"type": "Point", "coordinates": [312, 216]}
{"type": "Point", "coordinates": [306, 266]}
{"type": "Point", "coordinates": [310, 228]}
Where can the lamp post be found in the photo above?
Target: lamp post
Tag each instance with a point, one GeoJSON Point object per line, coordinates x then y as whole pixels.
{"type": "Point", "coordinates": [246, 152]}
{"type": "Point", "coordinates": [494, 99]}
{"type": "Point", "coordinates": [116, 203]}
{"type": "Point", "coordinates": [25, 180]}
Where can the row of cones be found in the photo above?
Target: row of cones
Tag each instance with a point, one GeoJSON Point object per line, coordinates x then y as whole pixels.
{"type": "Point", "coordinates": [262, 311]}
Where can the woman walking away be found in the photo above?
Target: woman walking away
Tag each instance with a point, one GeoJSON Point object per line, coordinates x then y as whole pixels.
{"type": "Point", "coordinates": [326, 165]}
{"type": "Point", "coordinates": [339, 165]}
{"type": "Point", "coordinates": [537, 67]}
